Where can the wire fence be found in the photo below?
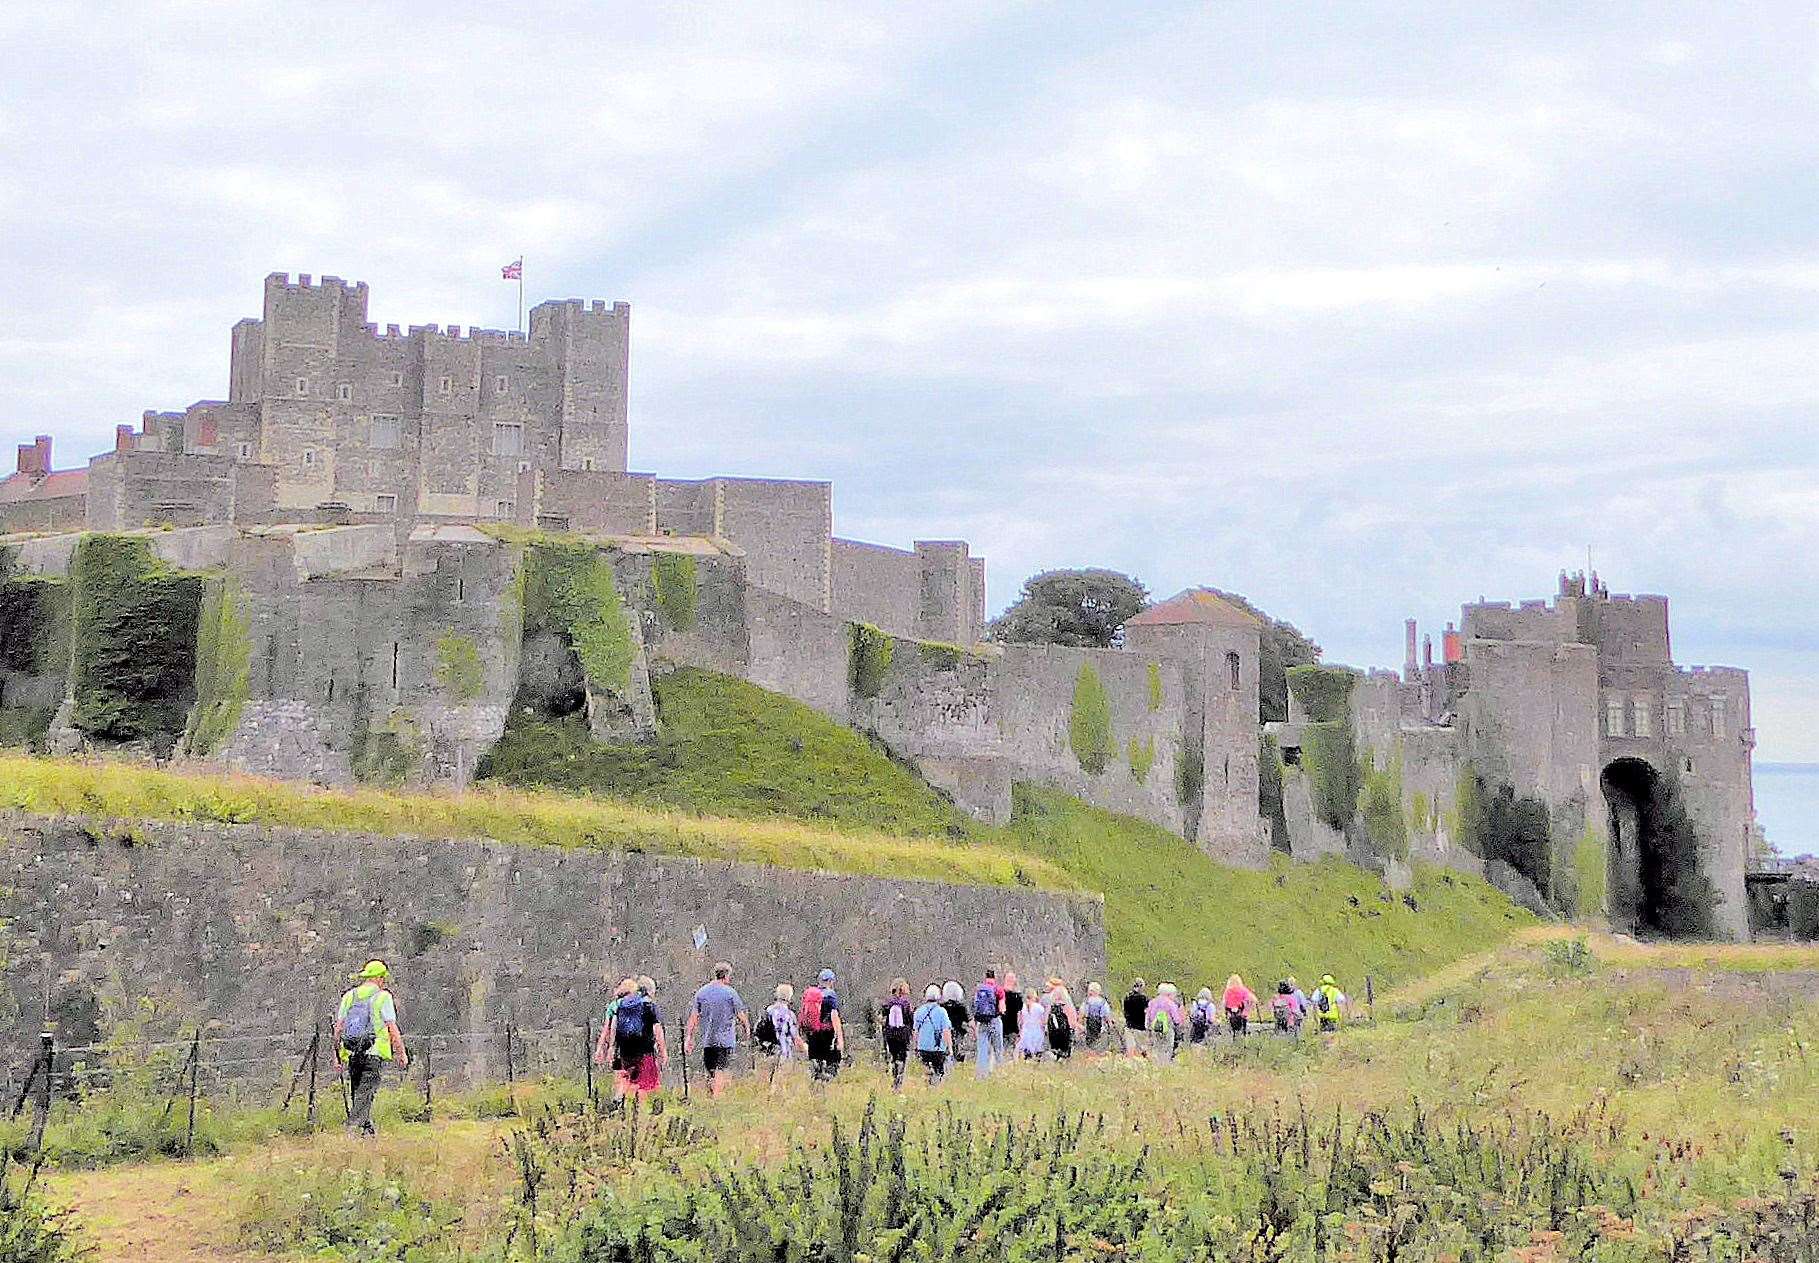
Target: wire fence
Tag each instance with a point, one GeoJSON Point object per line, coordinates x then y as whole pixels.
{"type": "Point", "coordinates": [299, 1071]}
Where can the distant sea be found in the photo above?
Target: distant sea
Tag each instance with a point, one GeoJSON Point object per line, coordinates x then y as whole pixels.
{"type": "Point", "coordinates": [1787, 804]}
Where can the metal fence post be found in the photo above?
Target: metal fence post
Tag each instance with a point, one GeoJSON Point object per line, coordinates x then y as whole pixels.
{"type": "Point", "coordinates": [41, 1113]}
{"type": "Point", "coordinates": [195, 1074]}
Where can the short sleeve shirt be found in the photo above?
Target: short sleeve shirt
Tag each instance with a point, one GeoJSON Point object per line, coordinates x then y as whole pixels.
{"type": "Point", "coordinates": [718, 1006]}
{"type": "Point", "coordinates": [931, 1021]}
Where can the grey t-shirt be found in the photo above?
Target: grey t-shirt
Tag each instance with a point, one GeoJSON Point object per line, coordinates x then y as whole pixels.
{"type": "Point", "coordinates": [719, 1006]}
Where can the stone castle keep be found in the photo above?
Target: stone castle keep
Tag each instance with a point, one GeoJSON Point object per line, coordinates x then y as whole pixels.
{"type": "Point", "coordinates": [382, 540]}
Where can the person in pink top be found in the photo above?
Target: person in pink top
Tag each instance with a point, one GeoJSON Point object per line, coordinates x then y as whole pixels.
{"type": "Point", "coordinates": [1240, 1005]}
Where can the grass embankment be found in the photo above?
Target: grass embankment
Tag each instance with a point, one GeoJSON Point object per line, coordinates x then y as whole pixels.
{"type": "Point", "coordinates": [728, 748]}
{"type": "Point", "coordinates": [1544, 1106]}
{"type": "Point", "coordinates": [121, 790]}
{"type": "Point", "coordinates": [742, 773]}
{"type": "Point", "coordinates": [1171, 912]}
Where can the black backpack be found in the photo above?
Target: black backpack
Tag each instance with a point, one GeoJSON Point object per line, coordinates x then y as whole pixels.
{"type": "Point", "coordinates": [764, 1034]}
{"type": "Point", "coordinates": [1059, 1029]}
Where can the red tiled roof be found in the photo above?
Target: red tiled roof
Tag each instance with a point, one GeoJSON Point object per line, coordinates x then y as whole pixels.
{"type": "Point", "coordinates": [57, 483]}
{"type": "Point", "coordinates": [1195, 605]}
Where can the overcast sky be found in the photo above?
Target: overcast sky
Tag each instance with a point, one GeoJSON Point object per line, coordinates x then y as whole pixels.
{"type": "Point", "coordinates": [1363, 311]}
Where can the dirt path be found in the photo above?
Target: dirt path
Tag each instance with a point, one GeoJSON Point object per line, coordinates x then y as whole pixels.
{"type": "Point", "coordinates": [166, 1212]}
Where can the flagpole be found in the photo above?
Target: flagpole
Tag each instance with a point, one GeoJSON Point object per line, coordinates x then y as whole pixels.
{"type": "Point", "coordinates": [520, 293]}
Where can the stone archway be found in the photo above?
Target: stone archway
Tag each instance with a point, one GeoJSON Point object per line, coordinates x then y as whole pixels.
{"type": "Point", "coordinates": [1652, 853]}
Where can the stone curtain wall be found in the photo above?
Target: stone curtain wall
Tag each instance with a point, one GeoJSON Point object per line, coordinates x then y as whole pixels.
{"type": "Point", "coordinates": [257, 928]}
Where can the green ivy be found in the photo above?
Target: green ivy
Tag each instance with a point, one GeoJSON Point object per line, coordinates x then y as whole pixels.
{"type": "Point", "coordinates": [133, 640]}
{"type": "Point", "coordinates": [1269, 792]}
{"type": "Point", "coordinates": [941, 655]}
{"type": "Point", "coordinates": [1155, 683]}
{"type": "Point", "coordinates": [569, 589]}
{"type": "Point", "coordinates": [1591, 873]}
{"type": "Point", "coordinates": [1089, 728]}
{"type": "Point", "coordinates": [673, 582]}
{"type": "Point", "coordinates": [1421, 812]}
{"type": "Point", "coordinates": [34, 623]}
{"type": "Point", "coordinates": [1142, 757]}
{"type": "Point", "coordinates": [1325, 693]}
{"type": "Point", "coordinates": [1328, 752]}
{"type": "Point", "coordinates": [388, 753]}
{"type": "Point", "coordinates": [224, 654]}
{"type": "Point", "coordinates": [459, 670]}
{"type": "Point", "coordinates": [868, 659]}
{"type": "Point", "coordinates": [1190, 776]}
{"type": "Point", "coordinates": [1380, 806]}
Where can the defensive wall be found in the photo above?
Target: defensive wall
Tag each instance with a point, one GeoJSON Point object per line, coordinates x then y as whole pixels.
{"type": "Point", "coordinates": [246, 929]}
{"type": "Point", "coordinates": [1575, 705]}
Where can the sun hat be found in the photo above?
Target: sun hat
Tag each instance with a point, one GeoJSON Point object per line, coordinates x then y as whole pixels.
{"type": "Point", "coordinates": [827, 975]}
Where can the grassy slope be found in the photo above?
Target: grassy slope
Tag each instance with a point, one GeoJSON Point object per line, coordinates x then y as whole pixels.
{"type": "Point", "coordinates": [1172, 913]}
{"type": "Point", "coordinates": [126, 791]}
{"type": "Point", "coordinates": [748, 766]}
{"type": "Point", "coordinates": [729, 748]}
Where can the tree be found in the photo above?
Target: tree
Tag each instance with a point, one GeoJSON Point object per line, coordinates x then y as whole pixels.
{"type": "Point", "coordinates": [1280, 645]}
{"type": "Point", "coordinates": [1083, 608]}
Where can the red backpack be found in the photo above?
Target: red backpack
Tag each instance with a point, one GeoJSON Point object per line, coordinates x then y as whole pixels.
{"type": "Point", "coordinates": [809, 1018]}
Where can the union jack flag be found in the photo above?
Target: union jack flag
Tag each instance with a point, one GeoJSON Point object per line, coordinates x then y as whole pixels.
{"type": "Point", "coordinates": [513, 271]}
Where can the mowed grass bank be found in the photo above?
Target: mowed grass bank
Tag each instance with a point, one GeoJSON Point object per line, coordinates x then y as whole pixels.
{"type": "Point", "coordinates": [121, 790]}
{"type": "Point", "coordinates": [1172, 913]}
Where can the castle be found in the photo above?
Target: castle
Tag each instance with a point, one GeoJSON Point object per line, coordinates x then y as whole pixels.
{"type": "Point", "coordinates": [383, 541]}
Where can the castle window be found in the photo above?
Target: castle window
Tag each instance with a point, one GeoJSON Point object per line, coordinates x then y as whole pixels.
{"type": "Point", "coordinates": [328, 690]}
{"type": "Point", "coordinates": [394, 664]}
{"type": "Point", "coordinates": [303, 385]}
{"type": "Point", "coordinates": [1231, 666]}
{"type": "Point", "coordinates": [551, 522]}
{"type": "Point", "coordinates": [344, 391]}
{"type": "Point", "coordinates": [508, 438]}
{"type": "Point", "coordinates": [505, 509]}
{"type": "Point", "coordinates": [587, 462]}
{"type": "Point", "coordinates": [309, 457]}
{"type": "Point", "coordinates": [1717, 718]}
{"type": "Point", "coordinates": [1676, 719]}
{"type": "Point", "coordinates": [447, 386]}
{"type": "Point", "coordinates": [397, 378]}
{"type": "Point", "coordinates": [385, 502]}
{"type": "Point", "coordinates": [1645, 725]}
{"type": "Point", "coordinates": [1613, 717]}
{"type": "Point", "coordinates": [1689, 767]}
{"type": "Point", "coordinates": [384, 431]}
{"type": "Point", "coordinates": [243, 450]}
{"type": "Point", "coordinates": [501, 384]}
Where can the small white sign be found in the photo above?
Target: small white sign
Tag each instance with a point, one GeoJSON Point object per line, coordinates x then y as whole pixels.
{"type": "Point", "coordinates": [700, 937]}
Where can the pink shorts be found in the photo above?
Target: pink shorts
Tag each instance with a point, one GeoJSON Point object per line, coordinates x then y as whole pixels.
{"type": "Point", "coordinates": [646, 1077]}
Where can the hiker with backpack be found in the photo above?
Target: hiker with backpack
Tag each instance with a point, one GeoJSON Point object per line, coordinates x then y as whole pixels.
{"type": "Point", "coordinates": [1095, 1019]}
{"type": "Point", "coordinates": [1011, 994]}
{"type": "Point", "coordinates": [1063, 1019]}
{"type": "Point", "coordinates": [953, 1000]}
{"type": "Point", "coordinates": [988, 1023]}
{"type": "Point", "coordinates": [777, 1034]}
{"type": "Point", "coordinates": [1200, 1016]}
{"type": "Point", "coordinates": [1136, 1019]}
{"type": "Point", "coordinates": [822, 1030]}
{"type": "Point", "coordinates": [714, 1021]}
{"type": "Point", "coordinates": [934, 1034]}
{"type": "Point", "coordinates": [603, 1045]}
{"type": "Point", "coordinates": [1240, 1004]}
{"type": "Point", "coordinates": [1329, 1004]}
{"type": "Point", "coordinates": [366, 1037]}
{"type": "Point", "coordinates": [1285, 1008]}
{"type": "Point", "coordinates": [1164, 1021]}
{"type": "Point", "coordinates": [896, 1017]}
{"type": "Point", "coordinates": [636, 1047]}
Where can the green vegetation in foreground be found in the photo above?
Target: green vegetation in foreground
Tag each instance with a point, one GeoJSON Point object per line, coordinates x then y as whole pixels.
{"type": "Point", "coordinates": [1171, 912]}
{"type": "Point", "coordinates": [125, 791]}
{"type": "Point", "coordinates": [728, 748]}
{"type": "Point", "coordinates": [1541, 1107]}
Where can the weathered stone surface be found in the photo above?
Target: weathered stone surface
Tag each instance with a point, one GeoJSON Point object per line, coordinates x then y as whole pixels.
{"type": "Point", "coordinates": [255, 929]}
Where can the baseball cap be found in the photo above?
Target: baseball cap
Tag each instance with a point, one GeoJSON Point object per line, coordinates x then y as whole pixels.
{"type": "Point", "coordinates": [374, 969]}
{"type": "Point", "coordinates": [827, 975]}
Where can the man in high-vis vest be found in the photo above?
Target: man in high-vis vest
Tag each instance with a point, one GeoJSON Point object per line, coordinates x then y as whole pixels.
{"type": "Point", "coordinates": [366, 1037]}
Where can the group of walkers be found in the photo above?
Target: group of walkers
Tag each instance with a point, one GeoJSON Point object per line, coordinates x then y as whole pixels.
{"type": "Point", "coordinates": [1006, 1023]}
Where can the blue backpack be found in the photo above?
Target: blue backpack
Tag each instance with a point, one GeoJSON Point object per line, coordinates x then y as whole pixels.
{"type": "Point", "coordinates": [358, 1033]}
{"type": "Point", "coordinates": [631, 1024]}
{"type": "Point", "coordinates": [985, 1001]}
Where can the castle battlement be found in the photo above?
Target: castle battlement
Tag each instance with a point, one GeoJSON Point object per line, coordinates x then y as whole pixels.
{"type": "Point", "coordinates": [281, 281]}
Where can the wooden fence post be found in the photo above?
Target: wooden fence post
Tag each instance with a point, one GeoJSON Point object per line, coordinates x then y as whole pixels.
{"type": "Point", "coordinates": [587, 1062]}
{"type": "Point", "coordinates": [1370, 999]}
{"type": "Point", "coordinates": [511, 1070]}
{"type": "Point", "coordinates": [429, 1046]}
{"type": "Point", "coordinates": [315, 1054]}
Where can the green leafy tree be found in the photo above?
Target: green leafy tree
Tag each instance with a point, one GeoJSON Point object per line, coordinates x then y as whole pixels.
{"type": "Point", "coordinates": [1083, 608]}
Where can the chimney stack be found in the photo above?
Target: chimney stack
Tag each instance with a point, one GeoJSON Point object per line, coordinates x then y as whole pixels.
{"type": "Point", "coordinates": [1408, 649]}
{"type": "Point", "coordinates": [1427, 653]}
{"type": "Point", "coordinates": [35, 457]}
{"type": "Point", "coordinates": [1452, 648]}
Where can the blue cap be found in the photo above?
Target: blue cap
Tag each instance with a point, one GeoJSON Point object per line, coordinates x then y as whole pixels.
{"type": "Point", "coordinates": [827, 975]}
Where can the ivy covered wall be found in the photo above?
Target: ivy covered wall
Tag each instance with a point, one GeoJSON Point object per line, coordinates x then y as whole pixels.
{"type": "Point", "coordinates": [133, 622]}
{"type": "Point", "coordinates": [223, 664]}
{"type": "Point", "coordinates": [569, 590]}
